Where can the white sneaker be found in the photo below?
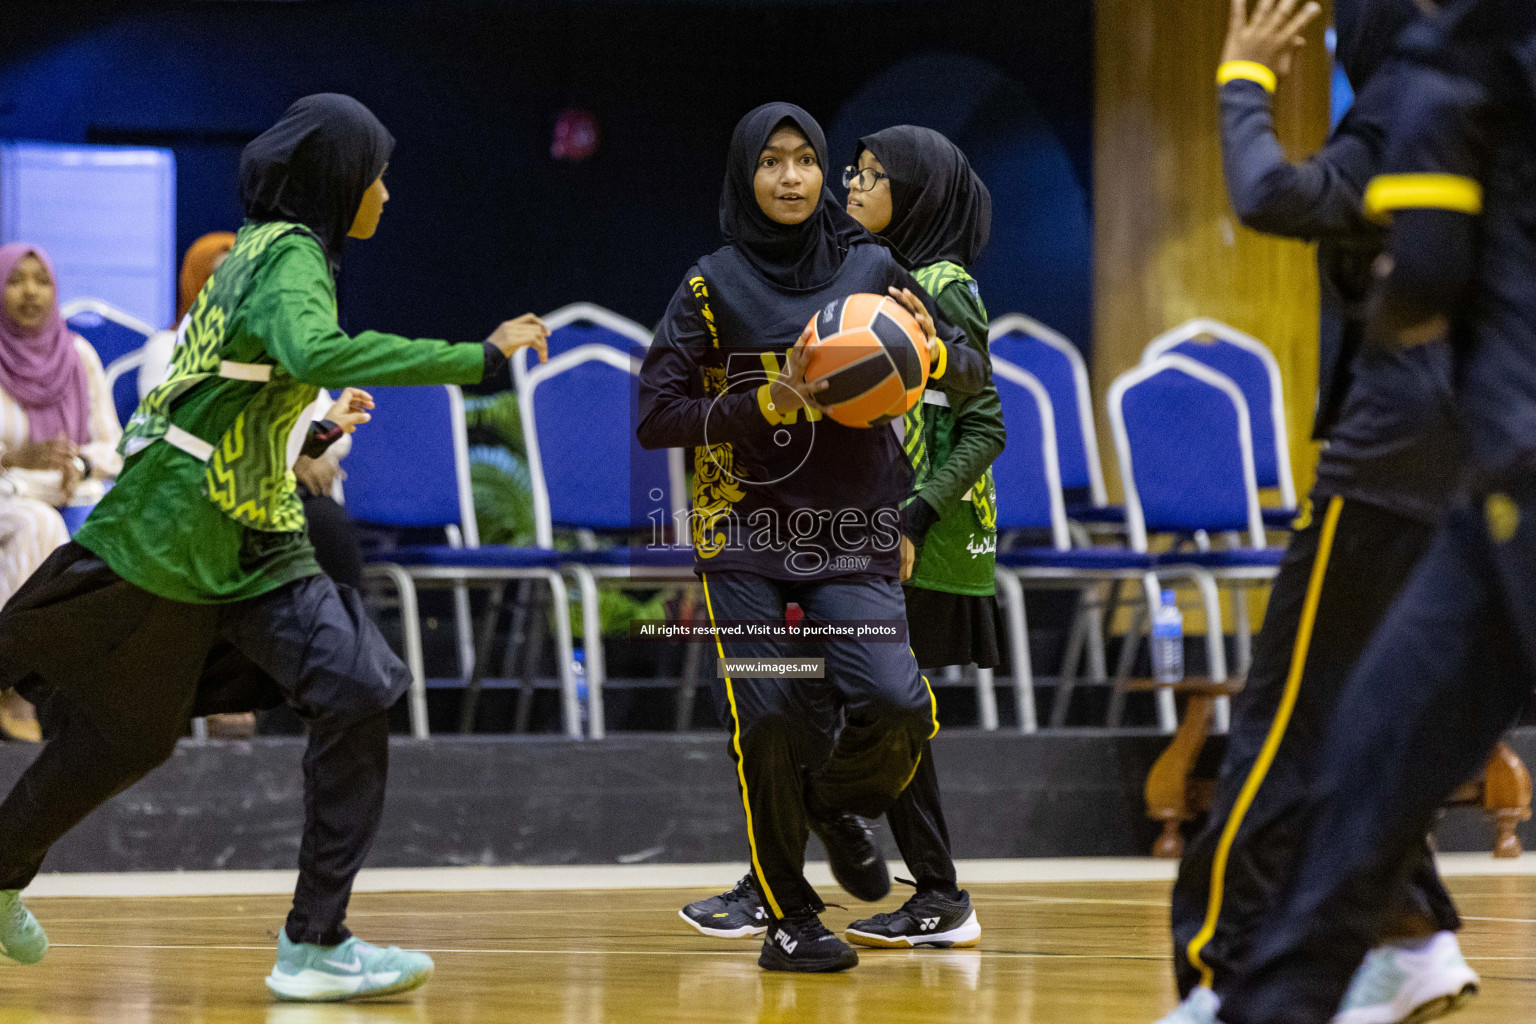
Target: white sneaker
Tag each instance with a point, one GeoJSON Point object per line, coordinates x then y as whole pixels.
{"type": "Point", "coordinates": [1395, 985]}
{"type": "Point", "coordinates": [1199, 1007]}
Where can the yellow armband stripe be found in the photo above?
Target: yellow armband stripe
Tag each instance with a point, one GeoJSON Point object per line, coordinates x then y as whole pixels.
{"type": "Point", "coordinates": [1389, 192]}
{"type": "Point", "coordinates": [1246, 71]}
{"type": "Point", "coordinates": [942, 363]}
{"type": "Point", "coordinates": [765, 404]}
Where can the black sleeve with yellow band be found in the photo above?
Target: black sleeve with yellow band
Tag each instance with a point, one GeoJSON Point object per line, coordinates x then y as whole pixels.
{"type": "Point", "coordinates": [1431, 194]}
{"type": "Point", "coordinates": [1246, 71]}
{"type": "Point", "coordinates": [1316, 198]}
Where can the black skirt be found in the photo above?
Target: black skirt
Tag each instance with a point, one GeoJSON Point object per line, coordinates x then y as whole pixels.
{"type": "Point", "coordinates": [953, 629]}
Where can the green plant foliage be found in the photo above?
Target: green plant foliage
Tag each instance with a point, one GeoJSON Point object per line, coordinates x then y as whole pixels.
{"type": "Point", "coordinates": [503, 497]}
{"type": "Point", "coordinates": [499, 416]}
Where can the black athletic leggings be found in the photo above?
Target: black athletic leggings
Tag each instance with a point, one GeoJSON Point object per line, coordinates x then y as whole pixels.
{"type": "Point", "coordinates": [117, 673]}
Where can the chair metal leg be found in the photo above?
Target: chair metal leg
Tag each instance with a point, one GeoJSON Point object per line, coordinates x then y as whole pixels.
{"type": "Point", "coordinates": [986, 699]}
{"type": "Point", "coordinates": [1123, 665]}
{"type": "Point", "coordinates": [1097, 670]}
{"type": "Point", "coordinates": [565, 654]}
{"type": "Point", "coordinates": [1012, 593]}
{"type": "Point", "coordinates": [1215, 645]}
{"type": "Point", "coordinates": [688, 675]}
{"type": "Point", "coordinates": [1066, 675]}
{"type": "Point", "coordinates": [1167, 709]}
{"type": "Point", "coordinates": [410, 633]}
{"type": "Point", "coordinates": [1077, 637]}
{"type": "Point", "coordinates": [536, 630]}
{"type": "Point", "coordinates": [464, 631]}
{"type": "Point", "coordinates": [592, 643]}
{"type": "Point", "coordinates": [487, 638]}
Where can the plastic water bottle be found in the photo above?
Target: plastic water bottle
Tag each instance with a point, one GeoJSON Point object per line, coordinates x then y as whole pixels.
{"type": "Point", "coordinates": [1168, 640]}
{"type": "Point", "coordinates": [579, 670]}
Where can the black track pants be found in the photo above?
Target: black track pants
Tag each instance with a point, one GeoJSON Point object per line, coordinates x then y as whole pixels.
{"type": "Point", "coordinates": [1441, 680]}
{"type": "Point", "coordinates": [117, 673]}
{"type": "Point", "coordinates": [1339, 578]}
{"type": "Point", "coordinates": [782, 728]}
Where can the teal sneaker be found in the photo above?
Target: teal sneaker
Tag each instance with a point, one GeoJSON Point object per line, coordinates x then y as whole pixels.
{"type": "Point", "coordinates": [353, 970]}
{"type": "Point", "coordinates": [21, 937]}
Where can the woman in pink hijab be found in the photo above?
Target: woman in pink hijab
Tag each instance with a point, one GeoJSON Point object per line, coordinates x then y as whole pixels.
{"type": "Point", "coordinates": [58, 433]}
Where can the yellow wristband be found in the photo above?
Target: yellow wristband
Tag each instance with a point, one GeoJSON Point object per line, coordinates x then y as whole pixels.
{"type": "Point", "coordinates": [942, 363]}
{"type": "Point", "coordinates": [1246, 71]}
{"type": "Point", "coordinates": [765, 405]}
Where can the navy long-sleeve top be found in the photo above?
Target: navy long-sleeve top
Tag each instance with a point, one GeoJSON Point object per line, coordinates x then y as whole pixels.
{"type": "Point", "coordinates": [782, 493]}
{"type": "Point", "coordinates": [1459, 187]}
{"type": "Point", "coordinates": [1385, 415]}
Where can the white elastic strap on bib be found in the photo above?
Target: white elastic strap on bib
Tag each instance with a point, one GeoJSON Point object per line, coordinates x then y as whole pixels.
{"type": "Point", "coordinates": [193, 445]}
{"type": "Point", "coordinates": [936, 398]}
{"type": "Point", "coordinates": [261, 373]}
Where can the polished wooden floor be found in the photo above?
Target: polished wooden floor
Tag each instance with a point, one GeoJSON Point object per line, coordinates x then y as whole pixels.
{"type": "Point", "coordinates": [1060, 952]}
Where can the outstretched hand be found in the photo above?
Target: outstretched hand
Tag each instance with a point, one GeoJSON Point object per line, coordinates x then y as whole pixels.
{"type": "Point", "coordinates": [1272, 35]}
{"type": "Point", "coordinates": [527, 331]}
{"type": "Point", "coordinates": [350, 411]}
{"type": "Point", "coordinates": [789, 390]}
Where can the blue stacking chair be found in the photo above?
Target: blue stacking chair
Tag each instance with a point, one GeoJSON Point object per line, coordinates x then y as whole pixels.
{"type": "Point", "coordinates": [118, 338]}
{"type": "Point", "coordinates": [123, 379]}
{"type": "Point", "coordinates": [410, 468]}
{"type": "Point", "coordinates": [582, 323]}
{"type": "Point", "coordinates": [111, 332]}
{"type": "Point", "coordinates": [1250, 364]}
{"type": "Point", "coordinates": [1029, 497]}
{"type": "Point", "coordinates": [591, 476]}
{"type": "Point", "coordinates": [1058, 365]}
{"type": "Point", "coordinates": [1185, 446]}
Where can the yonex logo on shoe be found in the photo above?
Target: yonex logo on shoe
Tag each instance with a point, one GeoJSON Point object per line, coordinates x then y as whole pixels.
{"type": "Point", "coordinates": [929, 923]}
{"type": "Point", "coordinates": [788, 943]}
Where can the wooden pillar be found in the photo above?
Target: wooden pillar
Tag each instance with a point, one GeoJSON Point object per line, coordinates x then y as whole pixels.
{"type": "Point", "coordinates": [1167, 246]}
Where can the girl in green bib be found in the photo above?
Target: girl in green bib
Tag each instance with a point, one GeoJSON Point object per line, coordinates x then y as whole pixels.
{"type": "Point", "coordinates": [914, 189]}
{"type": "Point", "coordinates": [193, 587]}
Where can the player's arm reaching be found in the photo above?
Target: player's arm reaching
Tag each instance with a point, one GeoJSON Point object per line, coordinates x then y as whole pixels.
{"type": "Point", "coordinates": [1316, 197]}
{"type": "Point", "coordinates": [1431, 192]}
{"type": "Point", "coordinates": [303, 336]}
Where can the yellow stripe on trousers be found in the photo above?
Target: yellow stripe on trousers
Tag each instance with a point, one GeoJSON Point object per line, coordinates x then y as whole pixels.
{"type": "Point", "coordinates": [741, 775]}
{"type": "Point", "coordinates": [1272, 741]}
{"type": "Point", "coordinates": [933, 705]}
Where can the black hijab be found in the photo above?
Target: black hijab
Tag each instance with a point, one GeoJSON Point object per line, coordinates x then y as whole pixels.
{"type": "Point", "coordinates": [1368, 31]}
{"type": "Point", "coordinates": [940, 209]}
{"type": "Point", "coordinates": [805, 255]}
{"type": "Point", "coordinates": [314, 165]}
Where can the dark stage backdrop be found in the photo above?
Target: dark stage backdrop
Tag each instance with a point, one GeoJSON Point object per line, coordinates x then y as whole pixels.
{"type": "Point", "coordinates": [484, 224]}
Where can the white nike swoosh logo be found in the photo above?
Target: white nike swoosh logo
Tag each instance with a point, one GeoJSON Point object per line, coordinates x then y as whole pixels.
{"type": "Point", "coordinates": [341, 965]}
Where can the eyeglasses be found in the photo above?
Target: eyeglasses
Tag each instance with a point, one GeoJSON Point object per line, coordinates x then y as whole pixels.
{"type": "Point", "coordinates": [863, 180]}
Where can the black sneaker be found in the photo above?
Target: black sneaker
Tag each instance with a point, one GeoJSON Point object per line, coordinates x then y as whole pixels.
{"type": "Point", "coordinates": [927, 919]}
{"type": "Point", "coordinates": [802, 943]}
{"type": "Point", "coordinates": [856, 862]}
{"type": "Point", "coordinates": [737, 914]}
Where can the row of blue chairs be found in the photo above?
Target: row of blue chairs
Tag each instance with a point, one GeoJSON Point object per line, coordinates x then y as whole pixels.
{"type": "Point", "coordinates": [1182, 440]}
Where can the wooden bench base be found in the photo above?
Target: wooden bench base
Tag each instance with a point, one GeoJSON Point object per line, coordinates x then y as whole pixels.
{"type": "Point", "coordinates": [1175, 796]}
